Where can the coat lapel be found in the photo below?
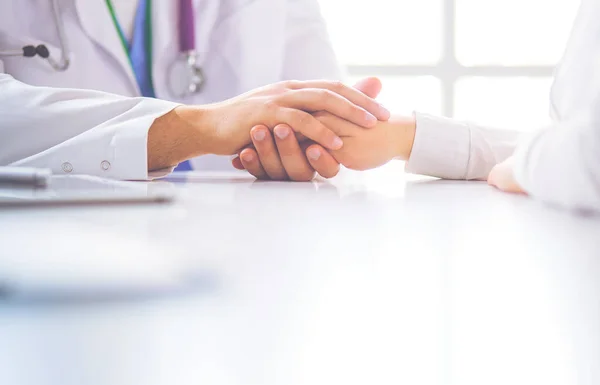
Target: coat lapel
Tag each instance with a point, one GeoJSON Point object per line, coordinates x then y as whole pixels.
{"type": "Point", "coordinates": [98, 25]}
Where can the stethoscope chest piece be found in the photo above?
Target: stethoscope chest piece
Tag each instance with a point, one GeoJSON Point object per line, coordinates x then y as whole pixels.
{"type": "Point", "coordinates": [186, 76]}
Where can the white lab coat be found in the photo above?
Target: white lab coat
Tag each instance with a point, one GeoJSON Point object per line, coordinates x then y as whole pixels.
{"type": "Point", "coordinates": [90, 119]}
{"type": "Point", "coordinates": [559, 164]}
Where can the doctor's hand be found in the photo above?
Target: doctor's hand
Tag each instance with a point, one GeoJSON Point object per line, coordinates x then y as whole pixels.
{"type": "Point", "coordinates": [224, 128]}
{"type": "Point", "coordinates": [285, 156]}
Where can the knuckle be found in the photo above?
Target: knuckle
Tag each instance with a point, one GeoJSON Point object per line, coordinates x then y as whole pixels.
{"type": "Point", "coordinates": [291, 84]}
{"type": "Point", "coordinates": [324, 96]}
{"type": "Point", "coordinates": [349, 108]}
{"type": "Point", "coordinates": [283, 84]}
{"type": "Point", "coordinates": [271, 105]}
{"type": "Point", "coordinates": [325, 118]}
{"type": "Point", "coordinates": [337, 86]}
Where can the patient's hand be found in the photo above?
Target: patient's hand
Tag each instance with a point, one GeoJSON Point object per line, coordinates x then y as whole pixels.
{"type": "Point", "coordinates": [366, 149]}
{"type": "Point", "coordinates": [502, 177]}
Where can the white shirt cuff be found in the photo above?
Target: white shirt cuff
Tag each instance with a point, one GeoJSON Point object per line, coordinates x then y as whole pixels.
{"type": "Point", "coordinates": [441, 148]}
{"type": "Point", "coordinates": [130, 143]}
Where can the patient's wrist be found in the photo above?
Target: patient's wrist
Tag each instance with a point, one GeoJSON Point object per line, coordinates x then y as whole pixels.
{"type": "Point", "coordinates": [402, 135]}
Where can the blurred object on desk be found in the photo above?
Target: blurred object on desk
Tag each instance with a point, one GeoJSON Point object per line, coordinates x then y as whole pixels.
{"type": "Point", "coordinates": [83, 189]}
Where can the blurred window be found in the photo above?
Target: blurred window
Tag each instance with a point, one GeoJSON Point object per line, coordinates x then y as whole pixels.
{"type": "Point", "coordinates": [488, 61]}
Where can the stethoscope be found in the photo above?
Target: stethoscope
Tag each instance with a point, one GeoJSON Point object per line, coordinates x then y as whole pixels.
{"type": "Point", "coordinates": [42, 51]}
{"type": "Point", "coordinates": [186, 76]}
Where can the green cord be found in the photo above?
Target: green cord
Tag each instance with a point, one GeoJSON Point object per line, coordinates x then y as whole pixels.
{"type": "Point", "coordinates": [125, 43]}
{"type": "Point", "coordinates": [117, 25]}
{"type": "Point", "coordinates": [149, 43]}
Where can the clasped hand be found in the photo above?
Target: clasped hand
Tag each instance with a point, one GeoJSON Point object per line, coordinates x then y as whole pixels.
{"type": "Point", "coordinates": [286, 155]}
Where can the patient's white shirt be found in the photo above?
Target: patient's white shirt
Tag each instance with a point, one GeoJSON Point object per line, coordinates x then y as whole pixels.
{"type": "Point", "coordinates": [558, 164]}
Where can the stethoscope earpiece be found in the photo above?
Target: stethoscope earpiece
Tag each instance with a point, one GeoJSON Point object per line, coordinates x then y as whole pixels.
{"type": "Point", "coordinates": [42, 51]}
{"type": "Point", "coordinates": [29, 51]}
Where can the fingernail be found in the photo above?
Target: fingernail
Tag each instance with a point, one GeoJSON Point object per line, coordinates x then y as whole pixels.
{"type": "Point", "coordinates": [384, 111]}
{"type": "Point", "coordinates": [259, 135]}
{"type": "Point", "coordinates": [314, 153]}
{"type": "Point", "coordinates": [370, 118]}
{"type": "Point", "coordinates": [247, 157]}
{"type": "Point", "coordinates": [337, 144]}
{"type": "Point", "coordinates": [281, 132]}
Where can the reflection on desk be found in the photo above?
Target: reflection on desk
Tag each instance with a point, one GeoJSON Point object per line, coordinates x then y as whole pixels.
{"type": "Point", "coordinates": [82, 189]}
{"type": "Point", "coordinates": [364, 279]}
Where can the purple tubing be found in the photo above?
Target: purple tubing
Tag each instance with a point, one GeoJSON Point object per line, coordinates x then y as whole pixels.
{"type": "Point", "coordinates": [187, 36]}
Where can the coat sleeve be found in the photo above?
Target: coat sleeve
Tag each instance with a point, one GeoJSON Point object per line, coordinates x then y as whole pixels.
{"type": "Point", "coordinates": [561, 164]}
{"type": "Point", "coordinates": [308, 52]}
{"type": "Point", "coordinates": [452, 149]}
{"type": "Point", "coordinates": [75, 131]}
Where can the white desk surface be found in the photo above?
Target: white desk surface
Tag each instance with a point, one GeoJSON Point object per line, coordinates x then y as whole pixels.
{"type": "Point", "coordinates": [361, 280]}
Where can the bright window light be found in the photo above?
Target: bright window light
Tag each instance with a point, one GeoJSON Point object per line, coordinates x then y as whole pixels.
{"type": "Point", "coordinates": [384, 31]}
{"type": "Point", "coordinates": [481, 60]}
{"type": "Point", "coordinates": [512, 32]}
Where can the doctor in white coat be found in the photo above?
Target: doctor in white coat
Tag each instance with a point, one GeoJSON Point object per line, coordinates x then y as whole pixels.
{"type": "Point", "coordinates": [80, 110]}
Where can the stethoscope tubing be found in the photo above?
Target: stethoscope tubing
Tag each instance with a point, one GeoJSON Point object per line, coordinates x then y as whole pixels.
{"type": "Point", "coordinates": [65, 61]}
{"type": "Point", "coordinates": [186, 41]}
{"type": "Point", "coordinates": [42, 51]}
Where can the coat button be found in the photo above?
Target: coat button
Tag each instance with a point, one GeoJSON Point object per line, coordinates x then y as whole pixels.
{"type": "Point", "coordinates": [105, 165]}
{"type": "Point", "coordinates": [67, 167]}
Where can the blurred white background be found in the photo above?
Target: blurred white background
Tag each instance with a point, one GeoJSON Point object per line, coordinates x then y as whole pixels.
{"type": "Point", "coordinates": [488, 61]}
